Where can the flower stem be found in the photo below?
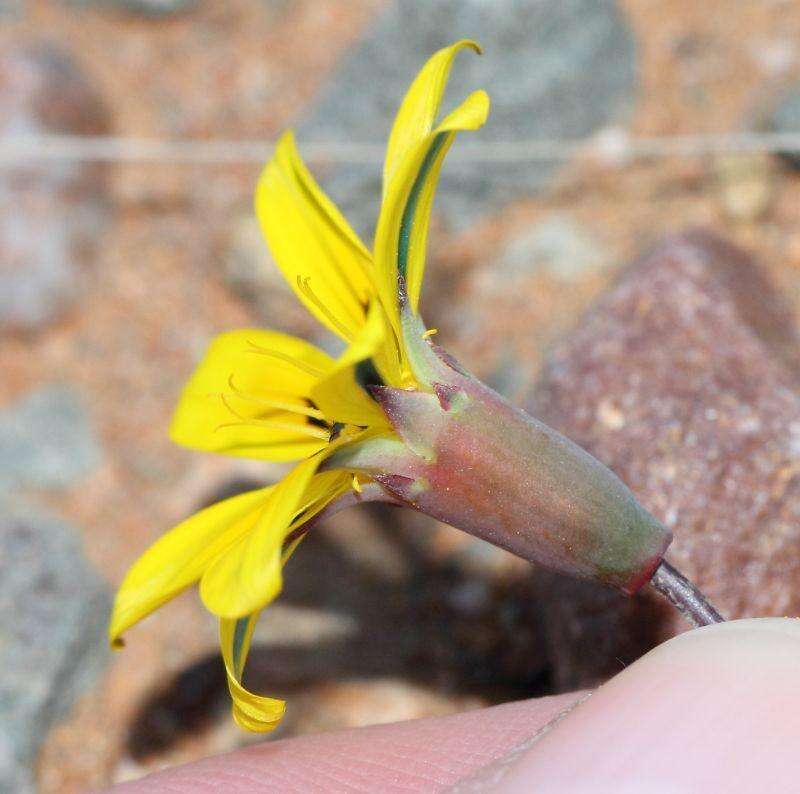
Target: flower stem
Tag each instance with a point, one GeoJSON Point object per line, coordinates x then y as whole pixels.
{"type": "Point", "coordinates": [683, 595]}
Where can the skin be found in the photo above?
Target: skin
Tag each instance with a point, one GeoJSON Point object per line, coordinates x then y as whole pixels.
{"type": "Point", "coordinates": [715, 709]}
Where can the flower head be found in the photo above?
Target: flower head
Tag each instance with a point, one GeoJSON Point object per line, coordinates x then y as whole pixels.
{"type": "Point", "coordinates": [394, 418]}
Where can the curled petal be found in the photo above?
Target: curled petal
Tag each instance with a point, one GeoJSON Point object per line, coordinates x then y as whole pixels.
{"type": "Point", "coordinates": [257, 712]}
{"type": "Point", "coordinates": [250, 711]}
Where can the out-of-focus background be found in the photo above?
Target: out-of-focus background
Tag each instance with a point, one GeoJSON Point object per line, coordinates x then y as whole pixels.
{"type": "Point", "coordinates": [127, 241]}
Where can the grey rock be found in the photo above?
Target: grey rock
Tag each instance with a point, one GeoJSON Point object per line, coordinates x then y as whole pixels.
{"type": "Point", "coordinates": [555, 245]}
{"type": "Point", "coordinates": [507, 377]}
{"type": "Point", "coordinates": [46, 441]}
{"type": "Point", "coordinates": [53, 611]}
{"type": "Point", "coordinates": [786, 118]}
{"type": "Point", "coordinates": [10, 10]}
{"type": "Point", "coordinates": [247, 264]}
{"type": "Point", "coordinates": [155, 8]}
{"type": "Point", "coordinates": [50, 213]}
{"type": "Point", "coordinates": [553, 70]}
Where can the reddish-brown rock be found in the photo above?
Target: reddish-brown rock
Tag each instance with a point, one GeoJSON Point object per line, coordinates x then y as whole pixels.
{"type": "Point", "coordinates": [684, 380]}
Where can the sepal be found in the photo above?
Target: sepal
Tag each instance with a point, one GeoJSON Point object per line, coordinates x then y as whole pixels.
{"type": "Point", "coordinates": [417, 417]}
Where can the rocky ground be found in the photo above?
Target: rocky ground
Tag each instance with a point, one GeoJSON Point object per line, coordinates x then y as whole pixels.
{"type": "Point", "coordinates": [113, 277]}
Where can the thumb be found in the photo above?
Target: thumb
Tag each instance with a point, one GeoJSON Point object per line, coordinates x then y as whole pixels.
{"type": "Point", "coordinates": [715, 709]}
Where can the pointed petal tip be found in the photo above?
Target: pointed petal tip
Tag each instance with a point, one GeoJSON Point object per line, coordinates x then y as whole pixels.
{"type": "Point", "coordinates": [118, 624]}
{"type": "Point", "coordinates": [285, 148]}
{"type": "Point", "coordinates": [471, 114]}
{"type": "Point", "coordinates": [287, 137]}
{"type": "Point", "coordinates": [116, 628]}
{"type": "Point", "coordinates": [471, 43]}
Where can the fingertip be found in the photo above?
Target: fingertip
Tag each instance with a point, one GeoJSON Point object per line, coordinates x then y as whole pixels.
{"type": "Point", "coordinates": [419, 755]}
{"type": "Point", "coordinates": [715, 709]}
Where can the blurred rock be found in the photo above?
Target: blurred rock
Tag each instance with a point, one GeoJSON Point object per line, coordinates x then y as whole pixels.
{"type": "Point", "coordinates": [507, 378]}
{"type": "Point", "coordinates": [154, 8]}
{"type": "Point", "coordinates": [786, 119]}
{"type": "Point", "coordinates": [553, 70]}
{"type": "Point", "coordinates": [252, 274]}
{"type": "Point", "coordinates": [745, 184]}
{"type": "Point", "coordinates": [51, 212]}
{"type": "Point", "coordinates": [555, 245]}
{"type": "Point", "coordinates": [53, 611]}
{"type": "Point", "coordinates": [684, 380]}
{"type": "Point", "coordinates": [46, 441]}
{"type": "Point", "coordinates": [519, 296]}
{"type": "Point", "coordinates": [348, 704]}
{"type": "Point", "coordinates": [11, 10]}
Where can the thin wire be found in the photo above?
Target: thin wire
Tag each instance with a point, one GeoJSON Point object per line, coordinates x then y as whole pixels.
{"type": "Point", "coordinates": [616, 146]}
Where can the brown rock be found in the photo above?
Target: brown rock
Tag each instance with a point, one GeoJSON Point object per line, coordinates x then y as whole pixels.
{"type": "Point", "coordinates": [684, 380]}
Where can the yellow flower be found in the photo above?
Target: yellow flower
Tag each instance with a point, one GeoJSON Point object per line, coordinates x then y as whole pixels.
{"type": "Point", "coordinates": [262, 394]}
{"type": "Point", "coordinates": [393, 419]}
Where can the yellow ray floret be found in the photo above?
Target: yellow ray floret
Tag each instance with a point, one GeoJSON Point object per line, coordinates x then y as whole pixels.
{"type": "Point", "coordinates": [249, 396]}
{"type": "Point", "coordinates": [258, 712]}
{"type": "Point", "coordinates": [247, 576]}
{"type": "Point", "coordinates": [319, 254]}
{"type": "Point", "coordinates": [338, 394]}
{"type": "Point", "coordinates": [413, 161]}
{"type": "Point", "coordinates": [252, 712]}
{"type": "Point", "coordinates": [180, 557]}
{"type": "Point", "coordinates": [266, 395]}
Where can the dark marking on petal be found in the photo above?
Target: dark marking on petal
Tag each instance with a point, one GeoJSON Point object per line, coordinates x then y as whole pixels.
{"type": "Point", "coordinates": [367, 374]}
{"type": "Point", "coordinates": [296, 533]}
{"type": "Point", "coordinates": [407, 223]}
{"type": "Point", "coordinates": [238, 640]}
{"type": "Point", "coordinates": [336, 431]}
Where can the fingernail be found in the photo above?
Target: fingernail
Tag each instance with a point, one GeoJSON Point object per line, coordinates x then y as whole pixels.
{"type": "Point", "coordinates": [715, 709]}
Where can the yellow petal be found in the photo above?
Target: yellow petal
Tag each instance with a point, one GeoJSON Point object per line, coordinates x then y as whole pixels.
{"type": "Point", "coordinates": [256, 712]}
{"type": "Point", "coordinates": [471, 114]}
{"type": "Point", "coordinates": [417, 113]}
{"type": "Point", "coordinates": [229, 404]}
{"type": "Point", "coordinates": [414, 159]}
{"type": "Point", "coordinates": [318, 252]}
{"type": "Point", "coordinates": [252, 712]}
{"type": "Point", "coordinates": [339, 395]}
{"type": "Point", "coordinates": [179, 558]}
{"type": "Point", "coordinates": [413, 238]}
{"type": "Point", "coordinates": [248, 575]}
